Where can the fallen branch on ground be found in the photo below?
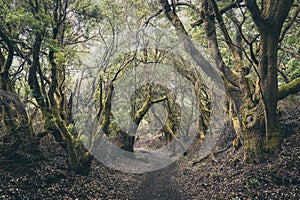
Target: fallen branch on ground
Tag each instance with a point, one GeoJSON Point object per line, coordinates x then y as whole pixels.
{"type": "Point", "coordinates": [211, 155]}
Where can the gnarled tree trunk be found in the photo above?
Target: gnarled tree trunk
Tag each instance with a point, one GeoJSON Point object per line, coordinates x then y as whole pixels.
{"type": "Point", "coordinates": [254, 104]}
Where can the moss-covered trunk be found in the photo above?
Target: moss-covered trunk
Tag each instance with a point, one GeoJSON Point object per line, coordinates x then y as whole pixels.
{"type": "Point", "coordinates": [253, 133]}
{"type": "Point", "coordinates": [269, 86]}
{"type": "Point", "coordinates": [77, 160]}
{"type": "Point", "coordinates": [53, 107]}
{"type": "Point", "coordinates": [254, 109]}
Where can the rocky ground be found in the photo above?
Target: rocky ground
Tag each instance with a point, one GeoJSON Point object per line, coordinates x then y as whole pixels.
{"type": "Point", "coordinates": [219, 175]}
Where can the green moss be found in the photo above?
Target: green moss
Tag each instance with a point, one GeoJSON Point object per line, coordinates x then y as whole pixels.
{"type": "Point", "coordinates": [292, 87]}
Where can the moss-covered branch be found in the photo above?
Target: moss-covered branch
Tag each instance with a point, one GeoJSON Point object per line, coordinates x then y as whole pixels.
{"type": "Point", "coordinates": [290, 88]}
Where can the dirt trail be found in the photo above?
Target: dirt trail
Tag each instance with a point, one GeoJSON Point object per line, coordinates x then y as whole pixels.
{"type": "Point", "coordinates": [159, 185]}
{"type": "Point", "coordinates": [166, 183]}
{"type": "Point", "coordinates": [221, 175]}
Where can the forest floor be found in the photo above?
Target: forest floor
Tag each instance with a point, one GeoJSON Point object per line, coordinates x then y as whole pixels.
{"type": "Point", "coordinates": [220, 175]}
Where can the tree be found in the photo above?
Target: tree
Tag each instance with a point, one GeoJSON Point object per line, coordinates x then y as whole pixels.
{"type": "Point", "coordinates": [148, 95]}
{"type": "Point", "coordinates": [251, 79]}
{"type": "Point", "coordinates": [15, 126]}
{"type": "Point", "coordinates": [44, 36]}
{"type": "Point", "coordinates": [114, 64]}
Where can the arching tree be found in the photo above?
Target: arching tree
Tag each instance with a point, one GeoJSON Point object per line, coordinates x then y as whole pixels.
{"type": "Point", "coordinates": [249, 68]}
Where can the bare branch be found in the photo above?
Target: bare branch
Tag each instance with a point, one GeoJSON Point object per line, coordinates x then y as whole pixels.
{"type": "Point", "coordinates": [256, 14]}
{"type": "Point", "coordinates": [282, 74]}
{"type": "Point", "coordinates": [281, 11]}
{"type": "Point", "coordinates": [290, 23]}
{"type": "Point", "coordinates": [228, 40]}
{"type": "Point", "coordinates": [153, 16]}
{"type": "Point", "coordinates": [235, 4]}
{"type": "Point", "coordinates": [190, 46]}
{"type": "Point", "coordinates": [9, 44]}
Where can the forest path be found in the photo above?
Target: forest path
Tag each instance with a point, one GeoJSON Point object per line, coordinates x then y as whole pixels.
{"type": "Point", "coordinates": [161, 184]}
{"type": "Point", "coordinates": [167, 183]}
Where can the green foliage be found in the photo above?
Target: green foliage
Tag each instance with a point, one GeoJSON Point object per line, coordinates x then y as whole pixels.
{"type": "Point", "coordinates": [293, 68]}
{"type": "Point", "coordinates": [83, 138]}
{"type": "Point", "coordinates": [253, 182]}
{"type": "Point", "coordinates": [71, 128]}
{"type": "Point", "coordinates": [114, 129]}
{"type": "Point", "coordinates": [87, 10]}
